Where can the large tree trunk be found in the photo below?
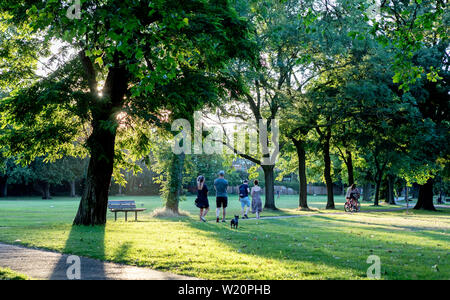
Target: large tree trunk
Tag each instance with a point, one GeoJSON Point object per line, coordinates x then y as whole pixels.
{"type": "Point", "coordinates": [349, 163]}
{"type": "Point", "coordinates": [301, 153]}
{"type": "Point", "coordinates": [72, 189]}
{"type": "Point", "coordinates": [327, 172]}
{"type": "Point", "coordinates": [269, 177]}
{"type": "Point", "coordinates": [94, 202]}
{"type": "Point", "coordinates": [425, 200]}
{"type": "Point", "coordinates": [175, 180]}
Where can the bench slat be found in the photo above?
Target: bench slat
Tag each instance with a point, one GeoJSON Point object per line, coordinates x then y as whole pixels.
{"type": "Point", "coordinates": [124, 206]}
{"type": "Point", "coordinates": [123, 209]}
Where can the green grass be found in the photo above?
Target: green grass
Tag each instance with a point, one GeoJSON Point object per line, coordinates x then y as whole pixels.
{"type": "Point", "coordinates": [29, 210]}
{"type": "Point", "coordinates": [8, 274]}
{"type": "Point", "coordinates": [316, 246]}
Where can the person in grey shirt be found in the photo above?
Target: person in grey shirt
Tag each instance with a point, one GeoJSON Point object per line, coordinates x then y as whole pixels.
{"type": "Point", "coordinates": [221, 185]}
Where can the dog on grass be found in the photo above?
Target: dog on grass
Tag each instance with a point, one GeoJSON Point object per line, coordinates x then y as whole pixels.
{"type": "Point", "coordinates": [235, 222]}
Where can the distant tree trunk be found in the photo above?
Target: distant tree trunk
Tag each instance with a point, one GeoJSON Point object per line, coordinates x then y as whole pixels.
{"type": "Point", "coordinates": [425, 200]}
{"type": "Point", "coordinates": [120, 190]}
{"type": "Point", "coordinates": [378, 179]}
{"type": "Point", "coordinates": [390, 193]}
{"type": "Point", "coordinates": [327, 170]}
{"type": "Point", "coordinates": [175, 180]}
{"type": "Point", "coordinates": [406, 195]}
{"type": "Point", "coordinates": [301, 153]}
{"type": "Point", "coordinates": [366, 192]}
{"type": "Point", "coordinates": [72, 189]}
{"type": "Point", "coordinates": [132, 184]}
{"type": "Point", "coordinates": [384, 190]}
{"type": "Point", "coordinates": [47, 191]}
{"type": "Point", "coordinates": [441, 193]}
{"type": "Point", "coordinates": [269, 177]}
{"type": "Point", "coordinates": [414, 191]}
{"type": "Point", "coordinates": [377, 192]}
{"type": "Point", "coordinates": [349, 164]}
{"type": "Point", "coordinates": [42, 190]}
{"type": "Point", "coordinates": [45, 188]}
{"type": "Point", "coordinates": [4, 186]}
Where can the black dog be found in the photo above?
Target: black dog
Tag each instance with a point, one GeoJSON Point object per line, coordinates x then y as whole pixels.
{"type": "Point", "coordinates": [235, 222]}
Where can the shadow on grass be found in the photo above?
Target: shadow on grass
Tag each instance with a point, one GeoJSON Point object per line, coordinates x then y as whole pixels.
{"type": "Point", "coordinates": [79, 240]}
{"type": "Point", "coordinates": [423, 231]}
{"type": "Point", "coordinates": [321, 245]}
{"type": "Point", "coordinates": [396, 213]}
{"type": "Point", "coordinates": [121, 252]}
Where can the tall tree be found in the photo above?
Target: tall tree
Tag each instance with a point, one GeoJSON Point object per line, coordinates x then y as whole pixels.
{"type": "Point", "coordinates": [258, 89]}
{"type": "Point", "coordinates": [125, 51]}
{"type": "Point", "coordinates": [328, 50]}
{"type": "Point", "coordinates": [419, 32]}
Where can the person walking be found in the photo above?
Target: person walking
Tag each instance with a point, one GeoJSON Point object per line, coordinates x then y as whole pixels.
{"type": "Point", "coordinates": [221, 185]}
{"type": "Point", "coordinates": [244, 199]}
{"type": "Point", "coordinates": [202, 197]}
{"type": "Point", "coordinates": [256, 199]}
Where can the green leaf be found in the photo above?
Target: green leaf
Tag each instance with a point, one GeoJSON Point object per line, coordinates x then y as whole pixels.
{"type": "Point", "coordinates": [99, 61]}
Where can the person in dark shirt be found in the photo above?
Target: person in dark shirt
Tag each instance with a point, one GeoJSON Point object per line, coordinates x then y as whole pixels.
{"type": "Point", "coordinates": [202, 197]}
{"type": "Point", "coordinates": [245, 200]}
{"type": "Point", "coordinates": [221, 185]}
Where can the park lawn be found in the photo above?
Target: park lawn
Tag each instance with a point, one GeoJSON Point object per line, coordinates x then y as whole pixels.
{"type": "Point", "coordinates": [8, 274]}
{"type": "Point", "coordinates": [319, 246]}
{"type": "Point", "coordinates": [30, 210]}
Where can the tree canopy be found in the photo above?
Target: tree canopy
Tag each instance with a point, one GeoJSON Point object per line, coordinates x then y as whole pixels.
{"type": "Point", "coordinates": [359, 90]}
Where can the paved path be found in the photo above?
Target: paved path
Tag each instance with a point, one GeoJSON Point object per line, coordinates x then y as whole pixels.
{"type": "Point", "coordinates": [42, 264]}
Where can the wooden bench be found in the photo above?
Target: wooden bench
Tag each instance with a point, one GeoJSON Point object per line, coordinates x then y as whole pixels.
{"type": "Point", "coordinates": [125, 206]}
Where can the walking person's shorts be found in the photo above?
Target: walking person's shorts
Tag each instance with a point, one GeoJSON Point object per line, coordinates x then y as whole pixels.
{"type": "Point", "coordinates": [245, 201]}
{"type": "Point", "coordinates": [222, 202]}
